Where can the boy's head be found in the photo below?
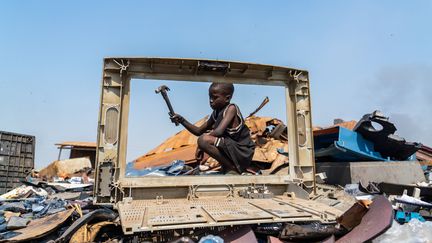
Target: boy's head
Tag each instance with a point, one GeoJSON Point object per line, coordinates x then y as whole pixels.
{"type": "Point", "coordinates": [220, 95]}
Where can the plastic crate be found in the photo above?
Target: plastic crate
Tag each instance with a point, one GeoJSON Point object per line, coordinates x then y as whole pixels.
{"type": "Point", "coordinates": [17, 153]}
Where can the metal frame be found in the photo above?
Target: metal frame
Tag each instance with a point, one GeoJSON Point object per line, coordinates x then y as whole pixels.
{"type": "Point", "coordinates": [111, 185]}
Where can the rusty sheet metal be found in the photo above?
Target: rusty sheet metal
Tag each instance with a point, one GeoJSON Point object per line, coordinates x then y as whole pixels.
{"type": "Point", "coordinates": [424, 155]}
{"type": "Point", "coordinates": [77, 144]}
{"type": "Point", "coordinates": [257, 124]}
{"type": "Point", "coordinates": [377, 220]}
{"type": "Point", "coordinates": [267, 153]}
{"type": "Point", "coordinates": [239, 234]}
{"type": "Point", "coordinates": [180, 139]}
{"type": "Point", "coordinates": [352, 217]}
{"type": "Point", "coordinates": [41, 227]}
{"type": "Point", "coordinates": [88, 233]}
{"type": "Point", "coordinates": [347, 124]}
{"type": "Point", "coordinates": [186, 153]}
{"type": "Point", "coordinates": [332, 129]}
{"type": "Point", "coordinates": [272, 239]}
{"type": "Point", "coordinates": [330, 239]}
{"type": "Point", "coordinates": [183, 145]}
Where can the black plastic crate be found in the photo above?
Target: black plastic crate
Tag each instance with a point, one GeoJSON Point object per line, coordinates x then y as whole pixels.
{"type": "Point", "coordinates": [17, 154]}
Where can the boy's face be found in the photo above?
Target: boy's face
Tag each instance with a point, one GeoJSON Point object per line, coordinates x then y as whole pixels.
{"type": "Point", "coordinates": [218, 99]}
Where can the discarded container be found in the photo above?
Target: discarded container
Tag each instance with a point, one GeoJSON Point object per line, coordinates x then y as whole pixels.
{"type": "Point", "coordinates": [17, 153]}
{"type": "Point", "coordinates": [341, 144]}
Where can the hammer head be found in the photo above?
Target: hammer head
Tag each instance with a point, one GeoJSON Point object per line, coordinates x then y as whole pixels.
{"type": "Point", "coordinates": [161, 88]}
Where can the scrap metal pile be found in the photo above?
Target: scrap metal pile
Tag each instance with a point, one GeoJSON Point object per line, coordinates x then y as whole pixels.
{"type": "Point", "coordinates": [56, 203]}
{"type": "Point", "coordinates": [176, 155]}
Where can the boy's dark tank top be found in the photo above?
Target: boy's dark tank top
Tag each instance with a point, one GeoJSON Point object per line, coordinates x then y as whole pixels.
{"type": "Point", "coordinates": [237, 133]}
{"type": "Point", "coordinates": [236, 142]}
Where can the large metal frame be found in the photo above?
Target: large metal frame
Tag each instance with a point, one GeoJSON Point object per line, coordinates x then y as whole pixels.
{"type": "Point", "coordinates": [112, 186]}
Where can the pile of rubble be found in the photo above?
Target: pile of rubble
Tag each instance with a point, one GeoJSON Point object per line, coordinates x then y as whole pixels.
{"type": "Point", "coordinates": [176, 155]}
{"type": "Point", "coordinates": [56, 203]}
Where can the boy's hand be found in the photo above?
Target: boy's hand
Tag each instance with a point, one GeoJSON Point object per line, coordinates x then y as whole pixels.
{"type": "Point", "coordinates": [176, 118]}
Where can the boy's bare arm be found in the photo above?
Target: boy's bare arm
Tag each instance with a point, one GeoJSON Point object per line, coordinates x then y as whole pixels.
{"type": "Point", "coordinates": [191, 127]}
{"type": "Point", "coordinates": [226, 121]}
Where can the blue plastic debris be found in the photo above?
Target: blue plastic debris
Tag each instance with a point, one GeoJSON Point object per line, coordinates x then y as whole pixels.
{"type": "Point", "coordinates": [405, 217]}
{"type": "Point", "coordinates": [345, 145]}
{"type": "Point", "coordinates": [174, 169]}
{"type": "Point", "coordinates": [211, 239]}
{"type": "Point", "coordinates": [282, 152]}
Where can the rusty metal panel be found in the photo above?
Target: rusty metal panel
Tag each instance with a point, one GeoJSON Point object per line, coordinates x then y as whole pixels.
{"type": "Point", "coordinates": [181, 139]}
{"type": "Point", "coordinates": [183, 145]}
{"type": "Point", "coordinates": [185, 153]}
{"type": "Point", "coordinates": [377, 220]}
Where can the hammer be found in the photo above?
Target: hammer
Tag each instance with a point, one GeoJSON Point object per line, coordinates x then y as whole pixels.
{"type": "Point", "coordinates": [163, 90]}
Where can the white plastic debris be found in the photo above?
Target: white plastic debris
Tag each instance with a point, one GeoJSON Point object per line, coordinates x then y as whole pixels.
{"type": "Point", "coordinates": [412, 232]}
{"type": "Point", "coordinates": [412, 200]}
{"type": "Point", "coordinates": [422, 183]}
{"type": "Point", "coordinates": [352, 189]}
{"type": "Point", "coordinates": [204, 167]}
{"type": "Point", "coordinates": [17, 192]}
{"type": "Point", "coordinates": [364, 197]}
{"type": "Point", "coordinates": [75, 180]}
{"type": "Point", "coordinates": [22, 192]}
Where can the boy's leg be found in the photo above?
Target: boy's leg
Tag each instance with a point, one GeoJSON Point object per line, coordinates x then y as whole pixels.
{"type": "Point", "coordinates": [206, 143]}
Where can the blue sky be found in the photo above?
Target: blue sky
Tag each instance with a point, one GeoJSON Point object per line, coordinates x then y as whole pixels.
{"type": "Point", "coordinates": [361, 55]}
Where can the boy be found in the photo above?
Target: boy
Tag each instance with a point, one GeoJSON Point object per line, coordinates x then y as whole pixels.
{"type": "Point", "coordinates": [224, 136]}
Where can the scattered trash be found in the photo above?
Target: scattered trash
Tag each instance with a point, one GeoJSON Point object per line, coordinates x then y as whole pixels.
{"type": "Point", "coordinates": [353, 216]}
{"type": "Point", "coordinates": [352, 189]}
{"type": "Point", "coordinates": [413, 201]}
{"type": "Point", "coordinates": [309, 232]}
{"type": "Point", "coordinates": [341, 144]}
{"type": "Point", "coordinates": [269, 134]}
{"type": "Point", "coordinates": [57, 203]}
{"type": "Point", "coordinates": [65, 168]}
{"type": "Point", "coordinates": [40, 227]}
{"type": "Point", "coordinates": [405, 217]}
{"type": "Point", "coordinates": [411, 232]}
{"type": "Point", "coordinates": [385, 141]}
{"type": "Point", "coordinates": [377, 220]}
{"type": "Point", "coordinates": [211, 239]}
{"type": "Point", "coordinates": [15, 222]}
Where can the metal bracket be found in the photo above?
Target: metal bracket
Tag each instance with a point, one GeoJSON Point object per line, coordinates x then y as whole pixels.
{"type": "Point", "coordinates": [122, 65]}
{"type": "Point", "coordinates": [256, 191]}
{"type": "Point", "coordinates": [105, 176]}
{"type": "Point", "coordinates": [295, 74]}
